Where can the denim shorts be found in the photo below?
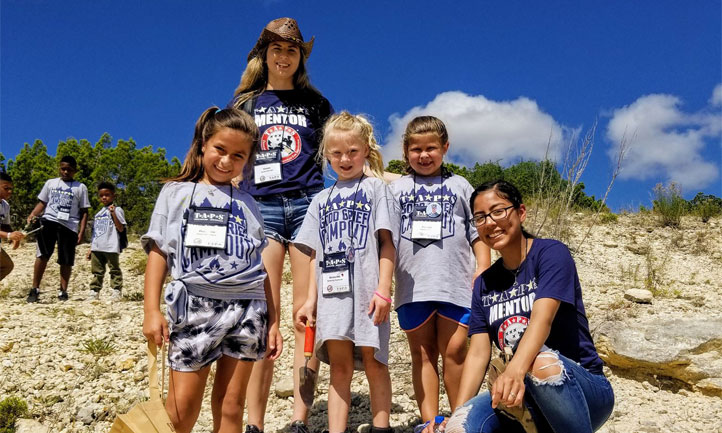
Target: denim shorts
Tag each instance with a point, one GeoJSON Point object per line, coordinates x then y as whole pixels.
{"type": "Point", "coordinates": [283, 213]}
{"type": "Point", "coordinates": [415, 314]}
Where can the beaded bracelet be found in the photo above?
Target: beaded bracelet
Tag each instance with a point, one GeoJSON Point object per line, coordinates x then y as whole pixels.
{"type": "Point", "coordinates": [382, 297]}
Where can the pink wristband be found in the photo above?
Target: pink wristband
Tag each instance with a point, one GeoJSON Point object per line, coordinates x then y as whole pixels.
{"type": "Point", "coordinates": [382, 297]}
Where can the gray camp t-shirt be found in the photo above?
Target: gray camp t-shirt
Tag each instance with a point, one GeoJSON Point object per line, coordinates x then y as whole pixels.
{"type": "Point", "coordinates": [435, 270]}
{"type": "Point", "coordinates": [235, 272]}
{"type": "Point", "coordinates": [105, 234]}
{"type": "Point", "coordinates": [61, 197]}
{"type": "Point", "coordinates": [327, 228]}
{"type": "Point", "coordinates": [4, 216]}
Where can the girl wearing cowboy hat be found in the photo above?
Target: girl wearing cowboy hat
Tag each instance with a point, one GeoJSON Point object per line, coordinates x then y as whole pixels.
{"type": "Point", "coordinates": [290, 113]}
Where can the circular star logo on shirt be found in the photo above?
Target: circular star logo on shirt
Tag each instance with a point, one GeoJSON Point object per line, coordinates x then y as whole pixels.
{"type": "Point", "coordinates": [284, 138]}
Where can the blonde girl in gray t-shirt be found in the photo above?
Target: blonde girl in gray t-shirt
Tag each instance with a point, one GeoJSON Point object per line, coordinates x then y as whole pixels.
{"type": "Point", "coordinates": [439, 254]}
{"type": "Point", "coordinates": [208, 235]}
{"type": "Point", "coordinates": [350, 229]}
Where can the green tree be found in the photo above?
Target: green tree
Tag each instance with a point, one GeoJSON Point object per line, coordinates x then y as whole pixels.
{"type": "Point", "coordinates": [396, 166]}
{"type": "Point", "coordinates": [29, 171]}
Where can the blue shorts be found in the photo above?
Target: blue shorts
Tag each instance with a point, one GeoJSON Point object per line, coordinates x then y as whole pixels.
{"type": "Point", "coordinates": [415, 314]}
{"type": "Point", "coordinates": [283, 213]}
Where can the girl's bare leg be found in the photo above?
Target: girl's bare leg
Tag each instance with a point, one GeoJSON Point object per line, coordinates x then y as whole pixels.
{"type": "Point", "coordinates": [185, 394]}
{"type": "Point", "coordinates": [379, 380]}
{"type": "Point", "coordinates": [340, 356]}
{"type": "Point", "coordinates": [451, 338]}
{"type": "Point", "coordinates": [229, 394]}
{"type": "Point", "coordinates": [424, 369]}
{"type": "Point", "coordinates": [262, 375]}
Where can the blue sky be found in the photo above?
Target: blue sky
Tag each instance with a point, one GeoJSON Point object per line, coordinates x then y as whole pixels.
{"type": "Point", "coordinates": [507, 77]}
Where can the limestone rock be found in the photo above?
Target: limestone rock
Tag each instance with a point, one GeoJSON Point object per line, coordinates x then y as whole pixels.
{"type": "Point", "coordinates": [640, 296]}
{"type": "Point", "coordinates": [284, 387]}
{"type": "Point", "coordinates": [30, 426]}
{"type": "Point", "coordinates": [85, 415]}
{"type": "Point", "coordinates": [686, 349]}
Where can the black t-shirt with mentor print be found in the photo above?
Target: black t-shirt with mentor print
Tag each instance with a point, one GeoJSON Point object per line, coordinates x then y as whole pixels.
{"type": "Point", "coordinates": [502, 302]}
{"type": "Point", "coordinates": [291, 122]}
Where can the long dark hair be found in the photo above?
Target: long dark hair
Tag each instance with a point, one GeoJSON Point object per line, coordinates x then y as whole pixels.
{"type": "Point", "coordinates": [505, 190]}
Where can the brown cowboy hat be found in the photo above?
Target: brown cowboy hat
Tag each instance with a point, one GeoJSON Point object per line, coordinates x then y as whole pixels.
{"type": "Point", "coordinates": [281, 29]}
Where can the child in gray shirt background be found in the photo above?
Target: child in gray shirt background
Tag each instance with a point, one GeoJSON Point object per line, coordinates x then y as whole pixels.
{"type": "Point", "coordinates": [105, 247]}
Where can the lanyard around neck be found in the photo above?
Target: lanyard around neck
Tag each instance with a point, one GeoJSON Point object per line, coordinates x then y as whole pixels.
{"type": "Point", "coordinates": [353, 216]}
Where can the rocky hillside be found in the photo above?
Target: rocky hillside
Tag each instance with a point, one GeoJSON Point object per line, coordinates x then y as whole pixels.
{"type": "Point", "coordinates": [80, 362]}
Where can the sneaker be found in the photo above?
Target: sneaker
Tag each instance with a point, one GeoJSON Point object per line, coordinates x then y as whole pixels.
{"type": "Point", "coordinates": [250, 428]}
{"type": "Point", "coordinates": [299, 427]}
{"type": "Point", "coordinates": [33, 295]}
{"type": "Point", "coordinates": [117, 295]}
{"type": "Point", "coordinates": [93, 295]}
{"type": "Point", "coordinates": [62, 295]}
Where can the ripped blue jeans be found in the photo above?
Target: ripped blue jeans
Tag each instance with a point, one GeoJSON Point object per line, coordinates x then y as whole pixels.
{"type": "Point", "coordinates": [576, 401]}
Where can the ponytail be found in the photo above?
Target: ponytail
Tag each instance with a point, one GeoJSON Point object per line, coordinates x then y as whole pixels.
{"type": "Point", "coordinates": [210, 122]}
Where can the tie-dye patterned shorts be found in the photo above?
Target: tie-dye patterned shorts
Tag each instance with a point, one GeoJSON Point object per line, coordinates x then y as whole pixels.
{"type": "Point", "coordinates": [202, 329]}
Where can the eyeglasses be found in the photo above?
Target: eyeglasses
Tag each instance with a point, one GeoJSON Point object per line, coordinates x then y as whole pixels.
{"type": "Point", "coordinates": [495, 215]}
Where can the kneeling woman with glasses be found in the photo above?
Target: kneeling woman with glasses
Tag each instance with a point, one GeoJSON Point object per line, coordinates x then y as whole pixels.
{"type": "Point", "coordinates": [529, 303]}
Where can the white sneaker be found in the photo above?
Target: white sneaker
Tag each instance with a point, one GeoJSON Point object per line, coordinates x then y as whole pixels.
{"type": "Point", "coordinates": [93, 295]}
{"type": "Point", "coordinates": [116, 295]}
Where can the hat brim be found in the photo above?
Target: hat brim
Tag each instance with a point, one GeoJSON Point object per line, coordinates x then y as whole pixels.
{"type": "Point", "coordinates": [268, 36]}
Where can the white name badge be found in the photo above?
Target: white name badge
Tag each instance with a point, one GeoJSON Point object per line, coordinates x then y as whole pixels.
{"type": "Point", "coordinates": [63, 216]}
{"type": "Point", "coordinates": [205, 236]}
{"type": "Point", "coordinates": [335, 282]}
{"type": "Point", "coordinates": [426, 229]}
{"type": "Point", "coordinates": [263, 173]}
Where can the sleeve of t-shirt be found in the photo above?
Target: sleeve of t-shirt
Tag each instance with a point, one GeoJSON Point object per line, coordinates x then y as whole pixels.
{"type": "Point", "coordinates": [83, 202]}
{"type": "Point", "coordinates": [471, 233]}
{"type": "Point", "coordinates": [556, 273]}
{"type": "Point", "coordinates": [308, 235]}
{"type": "Point", "coordinates": [387, 214]}
{"type": "Point", "coordinates": [158, 223]}
{"type": "Point", "coordinates": [120, 215]}
{"type": "Point", "coordinates": [477, 322]}
{"type": "Point", "coordinates": [44, 195]}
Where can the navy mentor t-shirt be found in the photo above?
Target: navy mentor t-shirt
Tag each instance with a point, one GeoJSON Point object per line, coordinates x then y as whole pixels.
{"type": "Point", "coordinates": [501, 304]}
{"type": "Point", "coordinates": [291, 121]}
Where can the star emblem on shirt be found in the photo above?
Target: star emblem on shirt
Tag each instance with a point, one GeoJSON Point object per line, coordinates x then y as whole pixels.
{"type": "Point", "coordinates": [282, 109]}
{"type": "Point", "coordinates": [238, 219]}
{"type": "Point", "coordinates": [513, 291]}
{"type": "Point", "coordinates": [494, 297]}
{"type": "Point", "coordinates": [234, 265]}
{"type": "Point", "coordinates": [261, 110]}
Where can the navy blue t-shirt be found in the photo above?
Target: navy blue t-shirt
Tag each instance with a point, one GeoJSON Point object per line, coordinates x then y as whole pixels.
{"type": "Point", "coordinates": [292, 121]}
{"type": "Point", "coordinates": [501, 305]}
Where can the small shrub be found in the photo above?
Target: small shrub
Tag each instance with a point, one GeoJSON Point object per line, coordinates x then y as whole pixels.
{"type": "Point", "coordinates": [98, 347]}
{"type": "Point", "coordinates": [708, 209]}
{"type": "Point", "coordinates": [669, 204]}
{"type": "Point", "coordinates": [134, 296]}
{"type": "Point", "coordinates": [608, 217]}
{"type": "Point", "coordinates": [11, 408]}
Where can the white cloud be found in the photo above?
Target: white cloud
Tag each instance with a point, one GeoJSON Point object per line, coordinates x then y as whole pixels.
{"type": "Point", "coordinates": [482, 130]}
{"type": "Point", "coordinates": [665, 142]}
{"type": "Point", "coordinates": [716, 98]}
